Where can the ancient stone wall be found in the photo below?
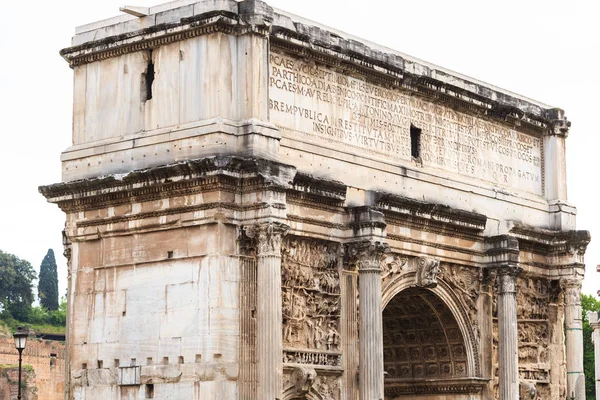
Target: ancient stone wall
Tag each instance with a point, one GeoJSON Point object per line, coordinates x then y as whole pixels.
{"type": "Point", "coordinates": [47, 361]}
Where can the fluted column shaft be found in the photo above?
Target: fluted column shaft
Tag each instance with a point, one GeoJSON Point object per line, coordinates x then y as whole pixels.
{"type": "Point", "coordinates": [269, 340]}
{"type": "Point", "coordinates": [370, 320]}
{"type": "Point", "coordinates": [574, 337]}
{"type": "Point", "coordinates": [508, 345]}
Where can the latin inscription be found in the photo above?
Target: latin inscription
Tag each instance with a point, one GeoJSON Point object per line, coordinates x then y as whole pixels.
{"type": "Point", "coordinates": [341, 109]}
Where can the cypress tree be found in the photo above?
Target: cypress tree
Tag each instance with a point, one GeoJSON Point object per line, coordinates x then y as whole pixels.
{"type": "Point", "coordinates": [48, 283]}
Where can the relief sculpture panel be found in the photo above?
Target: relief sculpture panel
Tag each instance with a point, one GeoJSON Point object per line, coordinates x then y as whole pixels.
{"type": "Point", "coordinates": [310, 301]}
{"type": "Point", "coordinates": [533, 298]}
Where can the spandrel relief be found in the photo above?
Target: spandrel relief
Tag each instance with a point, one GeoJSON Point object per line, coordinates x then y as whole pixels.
{"type": "Point", "coordinates": [310, 297]}
{"type": "Point", "coordinates": [466, 283]}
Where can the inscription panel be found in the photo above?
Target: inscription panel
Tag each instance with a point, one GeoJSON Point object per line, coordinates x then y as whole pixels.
{"type": "Point", "coordinates": [335, 109]}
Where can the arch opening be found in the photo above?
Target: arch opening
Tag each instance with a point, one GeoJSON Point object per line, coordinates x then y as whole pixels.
{"type": "Point", "coordinates": [424, 350]}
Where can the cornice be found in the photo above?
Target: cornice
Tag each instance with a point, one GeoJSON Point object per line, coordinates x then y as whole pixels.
{"type": "Point", "coordinates": [234, 174]}
{"type": "Point", "coordinates": [439, 386]}
{"type": "Point", "coordinates": [308, 189]}
{"type": "Point", "coordinates": [431, 217]}
{"type": "Point", "coordinates": [549, 242]}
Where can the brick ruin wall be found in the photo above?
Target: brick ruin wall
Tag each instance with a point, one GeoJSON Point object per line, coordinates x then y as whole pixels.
{"type": "Point", "coordinates": [46, 357]}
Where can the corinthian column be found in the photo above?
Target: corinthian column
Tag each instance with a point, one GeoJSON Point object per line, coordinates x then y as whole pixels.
{"type": "Point", "coordinates": [574, 333]}
{"type": "Point", "coordinates": [367, 256]}
{"type": "Point", "coordinates": [269, 346]}
{"type": "Point", "coordinates": [508, 345]}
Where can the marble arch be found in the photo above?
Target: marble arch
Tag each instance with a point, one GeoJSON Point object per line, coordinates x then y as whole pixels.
{"type": "Point", "coordinates": [264, 183]}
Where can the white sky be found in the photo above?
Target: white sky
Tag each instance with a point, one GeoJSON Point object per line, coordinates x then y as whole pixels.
{"type": "Point", "coordinates": [547, 50]}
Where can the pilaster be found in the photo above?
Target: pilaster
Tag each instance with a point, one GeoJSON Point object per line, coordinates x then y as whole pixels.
{"type": "Point", "coordinates": [269, 346]}
{"type": "Point", "coordinates": [574, 337]}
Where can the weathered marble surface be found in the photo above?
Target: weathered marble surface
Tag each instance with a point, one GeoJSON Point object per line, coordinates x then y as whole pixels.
{"type": "Point", "coordinates": [259, 206]}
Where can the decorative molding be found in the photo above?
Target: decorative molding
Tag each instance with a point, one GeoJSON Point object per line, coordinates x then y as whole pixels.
{"type": "Point", "coordinates": [440, 386]}
{"type": "Point", "coordinates": [431, 217]}
{"type": "Point", "coordinates": [550, 242]}
{"type": "Point", "coordinates": [233, 174]}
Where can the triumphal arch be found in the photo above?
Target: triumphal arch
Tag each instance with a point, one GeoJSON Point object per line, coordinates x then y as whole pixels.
{"type": "Point", "coordinates": [262, 207]}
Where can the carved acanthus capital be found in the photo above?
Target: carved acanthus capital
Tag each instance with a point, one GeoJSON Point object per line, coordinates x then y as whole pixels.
{"type": "Point", "coordinates": [572, 290]}
{"type": "Point", "coordinates": [367, 256]}
{"type": "Point", "coordinates": [267, 237]}
{"type": "Point", "coordinates": [507, 279]}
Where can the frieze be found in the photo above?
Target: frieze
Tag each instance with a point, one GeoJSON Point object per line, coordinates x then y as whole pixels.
{"type": "Point", "coordinates": [312, 358]}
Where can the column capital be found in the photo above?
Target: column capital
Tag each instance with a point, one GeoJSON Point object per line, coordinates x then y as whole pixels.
{"type": "Point", "coordinates": [367, 255]}
{"type": "Point", "coordinates": [572, 290]}
{"type": "Point", "coordinates": [507, 278]}
{"type": "Point", "coordinates": [267, 237]}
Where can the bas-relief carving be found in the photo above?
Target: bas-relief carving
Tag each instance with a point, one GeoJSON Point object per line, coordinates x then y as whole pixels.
{"type": "Point", "coordinates": [426, 270]}
{"type": "Point", "coordinates": [310, 299]}
{"type": "Point", "coordinates": [533, 296]}
{"type": "Point", "coordinates": [527, 390]}
{"type": "Point", "coordinates": [466, 283]}
{"type": "Point", "coordinates": [304, 383]}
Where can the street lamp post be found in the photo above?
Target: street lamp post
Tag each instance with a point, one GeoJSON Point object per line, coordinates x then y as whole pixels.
{"type": "Point", "coordinates": [20, 342]}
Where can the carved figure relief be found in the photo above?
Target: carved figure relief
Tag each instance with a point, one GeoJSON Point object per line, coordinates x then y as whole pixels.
{"type": "Point", "coordinates": [392, 266]}
{"type": "Point", "coordinates": [427, 272]}
{"type": "Point", "coordinates": [533, 297]}
{"type": "Point", "coordinates": [466, 283]}
{"type": "Point", "coordinates": [527, 390]}
{"type": "Point", "coordinates": [310, 296]}
{"type": "Point", "coordinates": [305, 383]}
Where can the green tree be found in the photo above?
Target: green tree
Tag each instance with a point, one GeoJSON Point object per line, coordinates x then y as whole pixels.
{"type": "Point", "coordinates": [48, 283]}
{"type": "Point", "coordinates": [16, 288]}
{"type": "Point", "coordinates": [589, 303]}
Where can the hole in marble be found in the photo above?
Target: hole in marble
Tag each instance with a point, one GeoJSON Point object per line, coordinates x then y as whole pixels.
{"type": "Point", "coordinates": [147, 79]}
{"type": "Point", "coordinates": [150, 391]}
{"type": "Point", "coordinates": [415, 141]}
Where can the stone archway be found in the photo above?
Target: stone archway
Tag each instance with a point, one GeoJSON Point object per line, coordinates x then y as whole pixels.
{"type": "Point", "coordinates": [424, 349]}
